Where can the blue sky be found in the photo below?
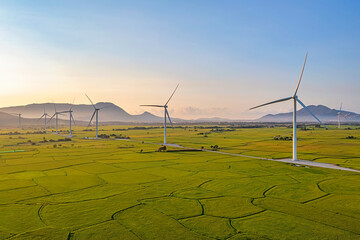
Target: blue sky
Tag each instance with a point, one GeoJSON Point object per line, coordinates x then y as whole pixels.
{"type": "Point", "coordinates": [226, 55]}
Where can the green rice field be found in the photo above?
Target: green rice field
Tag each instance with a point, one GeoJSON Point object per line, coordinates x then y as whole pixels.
{"type": "Point", "coordinates": [54, 188]}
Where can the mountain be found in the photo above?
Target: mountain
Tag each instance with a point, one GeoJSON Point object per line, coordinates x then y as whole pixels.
{"type": "Point", "coordinates": [109, 112]}
{"type": "Point", "coordinates": [324, 113]}
{"type": "Point", "coordinates": [7, 119]}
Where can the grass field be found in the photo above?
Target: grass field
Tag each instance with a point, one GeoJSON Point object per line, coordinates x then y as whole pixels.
{"type": "Point", "coordinates": [120, 189]}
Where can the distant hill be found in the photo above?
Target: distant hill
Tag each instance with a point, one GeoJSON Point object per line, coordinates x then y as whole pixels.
{"type": "Point", "coordinates": [7, 120]}
{"type": "Point", "coordinates": [324, 113]}
{"type": "Point", "coordinates": [109, 113]}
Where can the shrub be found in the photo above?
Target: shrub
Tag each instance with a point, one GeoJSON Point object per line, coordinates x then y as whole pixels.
{"type": "Point", "coordinates": [104, 136]}
{"type": "Point", "coordinates": [351, 137]}
{"type": "Point", "coordinates": [283, 138]}
{"type": "Point", "coordinates": [215, 147]}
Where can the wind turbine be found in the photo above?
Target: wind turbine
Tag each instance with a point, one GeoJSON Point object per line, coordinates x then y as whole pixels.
{"type": "Point", "coordinates": [19, 115]}
{"type": "Point", "coordinates": [71, 117]}
{"type": "Point", "coordinates": [96, 112]}
{"type": "Point", "coordinates": [166, 113]}
{"type": "Point", "coordinates": [20, 127]}
{"type": "Point", "coordinates": [44, 116]}
{"type": "Point", "coordinates": [56, 118]}
{"type": "Point", "coordinates": [70, 111]}
{"type": "Point", "coordinates": [295, 100]}
{"type": "Point", "coordinates": [339, 113]}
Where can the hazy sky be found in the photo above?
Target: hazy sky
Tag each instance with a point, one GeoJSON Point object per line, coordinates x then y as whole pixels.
{"type": "Point", "coordinates": [226, 55]}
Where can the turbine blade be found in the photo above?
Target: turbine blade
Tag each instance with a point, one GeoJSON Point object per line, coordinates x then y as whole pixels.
{"type": "Point", "coordinates": [55, 107]}
{"type": "Point", "coordinates": [151, 105]}
{"type": "Point", "coordinates": [91, 118]}
{"type": "Point", "coordinates": [72, 117]}
{"type": "Point", "coordinates": [71, 105]}
{"type": "Point", "coordinates": [302, 71]}
{"type": "Point", "coordinates": [276, 101]}
{"type": "Point", "coordinates": [41, 117]}
{"type": "Point", "coordinates": [167, 114]}
{"type": "Point", "coordinates": [51, 117]}
{"type": "Point", "coordinates": [90, 100]}
{"type": "Point", "coordinates": [340, 107]}
{"type": "Point", "coordinates": [302, 104]}
{"type": "Point", "coordinates": [171, 95]}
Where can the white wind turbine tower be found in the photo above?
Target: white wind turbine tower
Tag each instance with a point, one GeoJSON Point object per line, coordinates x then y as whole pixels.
{"type": "Point", "coordinates": [96, 112]}
{"type": "Point", "coordinates": [166, 113]}
{"type": "Point", "coordinates": [339, 113]}
{"type": "Point", "coordinates": [45, 115]}
{"type": "Point", "coordinates": [295, 100]}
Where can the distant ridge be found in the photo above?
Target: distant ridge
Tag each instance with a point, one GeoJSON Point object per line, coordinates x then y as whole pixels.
{"type": "Point", "coordinates": [82, 112]}
{"type": "Point", "coordinates": [109, 113]}
{"type": "Point", "coordinates": [322, 112]}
